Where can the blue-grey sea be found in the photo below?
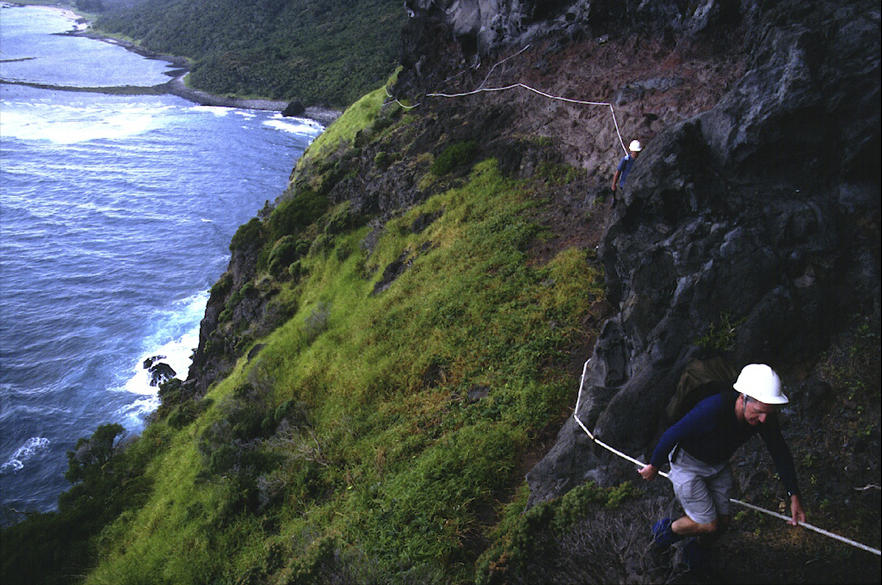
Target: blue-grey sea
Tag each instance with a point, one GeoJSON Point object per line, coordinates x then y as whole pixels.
{"type": "Point", "coordinates": [116, 214]}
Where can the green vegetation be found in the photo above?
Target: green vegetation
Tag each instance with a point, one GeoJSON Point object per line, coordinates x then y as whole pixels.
{"type": "Point", "coordinates": [419, 354]}
{"type": "Point", "coordinates": [720, 336]}
{"type": "Point", "coordinates": [375, 434]}
{"type": "Point", "coordinates": [109, 482]}
{"type": "Point", "coordinates": [352, 429]}
{"type": "Point", "coordinates": [455, 156]}
{"type": "Point", "coordinates": [328, 52]}
{"type": "Point", "coordinates": [524, 542]}
{"type": "Point", "coordinates": [342, 133]}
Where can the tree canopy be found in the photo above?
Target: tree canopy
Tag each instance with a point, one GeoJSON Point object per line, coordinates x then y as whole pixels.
{"type": "Point", "coordinates": [328, 52]}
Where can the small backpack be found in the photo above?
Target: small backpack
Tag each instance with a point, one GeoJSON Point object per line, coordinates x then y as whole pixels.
{"type": "Point", "coordinates": [700, 379]}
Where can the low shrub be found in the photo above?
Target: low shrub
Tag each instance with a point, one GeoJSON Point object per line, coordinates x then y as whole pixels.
{"type": "Point", "coordinates": [294, 214]}
{"type": "Point", "coordinates": [249, 236]}
{"type": "Point", "coordinates": [587, 535]}
{"type": "Point", "coordinates": [382, 160]}
{"type": "Point", "coordinates": [456, 156]}
{"type": "Point", "coordinates": [285, 251]}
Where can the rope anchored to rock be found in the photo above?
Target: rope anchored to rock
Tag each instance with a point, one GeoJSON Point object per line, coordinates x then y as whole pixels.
{"type": "Point", "coordinates": [543, 94]}
{"type": "Point", "coordinates": [591, 436]}
{"type": "Point", "coordinates": [482, 89]}
{"type": "Point", "coordinates": [519, 85]}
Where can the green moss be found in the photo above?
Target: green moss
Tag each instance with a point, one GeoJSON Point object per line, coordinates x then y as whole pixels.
{"type": "Point", "coordinates": [455, 156]}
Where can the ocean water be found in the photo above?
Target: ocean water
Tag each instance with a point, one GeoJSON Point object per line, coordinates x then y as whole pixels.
{"type": "Point", "coordinates": [116, 214]}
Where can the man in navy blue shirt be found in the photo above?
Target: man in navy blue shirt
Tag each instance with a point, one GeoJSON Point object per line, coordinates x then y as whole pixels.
{"type": "Point", "coordinates": [625, 166]}
{"type": "Point", "coordinates": [701, 443]}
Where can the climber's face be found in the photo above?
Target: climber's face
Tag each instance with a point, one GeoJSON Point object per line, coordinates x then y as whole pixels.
{"type": "Point", "coordinates": [755, 412]}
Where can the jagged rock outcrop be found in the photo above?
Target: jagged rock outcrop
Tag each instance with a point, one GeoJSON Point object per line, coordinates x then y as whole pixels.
{"type": "Point", "coordinates": [482, 26]}
{"type": "Point", "coordinates": [443, 36]}
{"type": "Point", "coordinates": [762, 212]}
{"type": "Point", "coordinates": [159, 371]}
{"type": "Point", "coordinates": [239, 311]}
{"type": "Point", "coordinates": [760, 215]}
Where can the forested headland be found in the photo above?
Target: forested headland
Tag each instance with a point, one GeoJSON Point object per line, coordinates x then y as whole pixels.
{"type": "Point", "coordinates": [318, 53]}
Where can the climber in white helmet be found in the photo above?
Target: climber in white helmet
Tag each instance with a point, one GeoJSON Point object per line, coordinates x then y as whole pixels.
{"type": "Point", "coordinates": [625, 166]}
{"type": "Point", "coordinates": [699, 447]}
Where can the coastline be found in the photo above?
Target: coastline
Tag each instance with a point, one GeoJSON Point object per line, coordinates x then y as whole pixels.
{"type": "Point", "coordinates": [176, 85]}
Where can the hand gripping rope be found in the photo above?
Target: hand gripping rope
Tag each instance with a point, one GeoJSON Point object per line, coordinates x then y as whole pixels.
{"type": "Point", "coordinates": [591, 436]}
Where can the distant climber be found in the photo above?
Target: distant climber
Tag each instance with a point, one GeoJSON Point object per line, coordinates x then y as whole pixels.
{"type": "Point", "coordinates": [699, 447]}
{"type": "Point", "coordinates": [625, 166]}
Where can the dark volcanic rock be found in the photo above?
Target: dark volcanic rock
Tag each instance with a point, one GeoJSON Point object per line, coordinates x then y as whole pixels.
{"type": "Point", "coordinates": [294, 108]}
{"type": "Point", "coordinates": [747, 216]}
{"type": "Point", "coordinates": [159, 371]}
{"type": "Point", "coordinates": [750, 228]}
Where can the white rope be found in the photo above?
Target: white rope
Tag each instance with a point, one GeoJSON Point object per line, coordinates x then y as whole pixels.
{"type": "Point", "coordinates": [481, 89]}
{"type": "Point", "coordinates": [875, 551]}
{"type": "Point", "coordinates": [543, 94]}
{"type": "Point", "coordinates": [389, 95]}
{"type": "Point", "coordinates": [489, 73]}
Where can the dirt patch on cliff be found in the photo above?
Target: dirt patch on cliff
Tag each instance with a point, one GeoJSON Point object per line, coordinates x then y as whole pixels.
{"type": "Point", "coordinates": [651, 85]}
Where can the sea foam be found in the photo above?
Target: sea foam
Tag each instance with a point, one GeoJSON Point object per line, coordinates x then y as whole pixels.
{"type": "Point", "coordinates": [30, 448]}
{"type": "Point", "coordinates": [175, 337]}
{"type": "Point", "coordinates": [300, 126]}
{"type": "Point", "coordinates": [72, 124]}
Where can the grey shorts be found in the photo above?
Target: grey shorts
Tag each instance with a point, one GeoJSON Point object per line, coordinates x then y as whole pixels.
{"type": "Point", "coordinates": [702, 489]}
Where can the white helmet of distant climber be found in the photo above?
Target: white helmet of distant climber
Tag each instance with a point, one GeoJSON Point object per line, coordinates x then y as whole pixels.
{"type": "Point", "coordinates": [635, 146]}
{"type": "Point", "coordinates": [760, 382]}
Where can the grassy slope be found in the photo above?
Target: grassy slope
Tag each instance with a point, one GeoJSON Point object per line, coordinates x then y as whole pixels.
{"type": "Point", "coordinates": [381, 454]}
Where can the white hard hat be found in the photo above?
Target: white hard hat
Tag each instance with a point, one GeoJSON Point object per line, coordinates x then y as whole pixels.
{"type": "Point", "coordinates": [759, 381]}
{"type": "Point", "coordinates": [635, 146]}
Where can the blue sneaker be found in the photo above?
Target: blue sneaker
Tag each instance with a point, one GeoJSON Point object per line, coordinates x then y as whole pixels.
{"type": "Point", "coordinates": [662, 535]}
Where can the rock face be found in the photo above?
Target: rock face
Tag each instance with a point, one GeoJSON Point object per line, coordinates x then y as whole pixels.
{"type": "Point", "coordinates": [482, 26]}
{"type": "Point", "coordinates": [237, 312]}
{"type": "Point", "coordinates": [756, 221]}
{"type": "Point", "coordinates": [443, 35]}
{"type": "Point", "coordinates": [749, 230]}
{"type": "Point", "coordinates": [159, 371]}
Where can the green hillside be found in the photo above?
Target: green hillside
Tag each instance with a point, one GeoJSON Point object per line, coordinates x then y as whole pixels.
{"type": "Point", "coordinates": [376, 433]}
{"type": "Point", "coordinates": [317, 52]}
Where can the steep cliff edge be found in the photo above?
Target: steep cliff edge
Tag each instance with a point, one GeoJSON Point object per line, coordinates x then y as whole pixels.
{"type": "Point", "coordinates": [751, 224]}
{"type": "Point", "coordinates": [385, 380]}
{"type": "Point", "coordinates": [755, 204]}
